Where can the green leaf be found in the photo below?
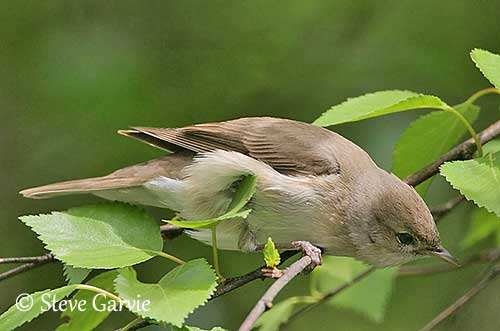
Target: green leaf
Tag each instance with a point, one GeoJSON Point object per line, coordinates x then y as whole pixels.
{"type": "Point", "coordinates": [492, 146]}
{"type": "Point", "coordinates": [193, 328]}
{"type": "Point", "coordinates": [89, 318]}
{"type": "Point", "coordinates": [104, 236]}
{"type": "Point", "coordinates": [175, 296]}
{"type": "Point", "coordinates": [245, 191]}
{"type": "Point", "coordinates": [489, 64]}
{"type": "Point", "coordinates": [209, 223]}
{"type": "Point", "coordinates": [377, 104]}
{"type": "Point", "coordinates": [483, 225]}
{"type": "Point", "coordinates": [184, 328]}
{"type": "Point", "coordinates": [280, 313]}
{"type": "Point", "coordinates": [75, 275]}
{"type": "Point", "coordinates": [477, 179]}
{"type": "Point", "coordinates": [338, 270]}
{"type": "Point", "coordinates": [271, 254]}
{"type": "Point", "coordinates": [168, 327]}
{"type": "Point", "coordinates": [40, 303]}
{"type": "Point", "coordinates": [429, 137]}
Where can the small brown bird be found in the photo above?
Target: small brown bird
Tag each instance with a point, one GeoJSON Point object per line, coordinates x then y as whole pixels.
{"type": "Point", "coordinates": [312, 185]}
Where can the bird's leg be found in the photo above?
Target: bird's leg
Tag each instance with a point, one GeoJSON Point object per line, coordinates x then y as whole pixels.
{"type": "Point", "coordinates": [307, 249]}
{"type": "Point", "coordinates": [310, 250]}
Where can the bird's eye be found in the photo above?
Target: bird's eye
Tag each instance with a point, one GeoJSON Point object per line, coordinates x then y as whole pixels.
{"type": "Point", "coordinates": [405, 238]}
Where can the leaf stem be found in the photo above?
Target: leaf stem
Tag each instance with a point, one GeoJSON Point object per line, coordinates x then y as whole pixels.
{"type": "Point", "coordinates": [313, 285]}
{"type": "Point", "coordinates": [176, 218]}
{"type": "Point", "coordinates": [480, 93]}
{"type": "Point", "coordinates": [131, 324]}
{"type": "Point", "coordinates": [171, 257]}
{"type": "Point", "coordinates": [215, 253]}
{"type": "Point", "coordinates": [468, 126]}
{"type": "Point", "coordinates": [98, 290]}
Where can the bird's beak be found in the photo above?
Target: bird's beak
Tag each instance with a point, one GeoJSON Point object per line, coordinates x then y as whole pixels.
{"type": "Point", "coordinates": [443, 254]}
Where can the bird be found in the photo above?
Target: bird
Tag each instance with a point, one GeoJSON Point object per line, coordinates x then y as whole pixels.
{"type": "Point", "coordinates": [312, 186]}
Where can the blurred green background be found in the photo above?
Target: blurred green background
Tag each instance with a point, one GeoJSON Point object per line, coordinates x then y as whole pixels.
{"type": "Point", "coordinates": [73, 72]}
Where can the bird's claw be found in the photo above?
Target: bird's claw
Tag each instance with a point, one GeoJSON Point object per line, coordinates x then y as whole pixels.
{"type": "Point", "coordinates": [312, 251]}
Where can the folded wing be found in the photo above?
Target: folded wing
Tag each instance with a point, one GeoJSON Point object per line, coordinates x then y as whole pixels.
{"type": "Point", "coordinates": [290, 147]}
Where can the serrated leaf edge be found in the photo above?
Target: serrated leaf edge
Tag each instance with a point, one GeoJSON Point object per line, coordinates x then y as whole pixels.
{"type": "Point", "coordinates": [475, 50]}
{"type": "Point", "coordinates": [48, 247]}
{"type": "Point", "coordinates": [458, 189]}
{"type": "Point", "coordinates": [40, 313]}
{"type": "Point", "coordinates": [66, 274]}
{"type": "Point", "coordinates": [397, 152]}
{"type": "Point", "coordinates": [363, 95]}
{"type": "Point", "coordinates": [366, 116]}
{"type": "Point", "coordinates": [211, 291]}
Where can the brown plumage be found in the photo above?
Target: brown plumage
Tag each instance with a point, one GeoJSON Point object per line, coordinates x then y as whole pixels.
{"type": "Point", "coordinates": [169, 166]}
{"type": "Point", "coordinates": [312, 184]}
{"type": "Point", "coordinates": [288, 146]}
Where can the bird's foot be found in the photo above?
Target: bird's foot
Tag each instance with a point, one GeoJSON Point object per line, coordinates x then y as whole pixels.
{"type": "Point", "coordinates": [272, 272]}
{"type": "Point", "coordinates": [312, 251]}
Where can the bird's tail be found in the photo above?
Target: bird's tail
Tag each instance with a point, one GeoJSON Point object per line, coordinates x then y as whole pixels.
{"type": "Point", "coordinates": [88, 185]}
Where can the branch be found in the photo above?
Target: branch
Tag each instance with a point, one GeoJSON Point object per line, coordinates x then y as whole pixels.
{"type": "Point", "coordinates": [236, 282]}
{"type": "Point", "coordinates": [438, 212]}
{"type": "Point", "coordinates": [483, 257]}
{"type": "Point", "coordinates": [266, 301]}
{"type": "Point", "coordinates": [24, 259]}
{"type": "Point", "coordinates": [33, 262]}
{"type": "Point", "coordinates": [463, 300]}
{"type": "Point", "coordinates": [487, 256]}
{"type": "Point", "coordinates": [168, 231]}
{"type": "Point", "coordinates": [231, 284]}
{"type": "Point", "coordinates": [331, 293]}
{"type": "Point", "coordinates": [462, 151]}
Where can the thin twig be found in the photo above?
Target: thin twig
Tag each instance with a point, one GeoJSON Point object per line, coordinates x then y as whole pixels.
{"type": "Point", "coordinates": [483, 257]}
{"type": "Point", "coordinates": [36, 262]}
{"type": "Point", "coordinates": [266, 300]}
{"type": "Point", "coordinates": [24, 259]}
{"type": "Point", "coordinates": [487, 256]}
{"type": "Point", "coordinates": [231, 284]}
{"type": "Point", "coordinates": [215, 253]}
{"type": "Point", "coordinates": [438, 212]}
{"type": "Point", "coordinates": [462, 151]}
{"type": "Point", "coordinates": [132, 325]}
{"type": "Point", "coordinates": [237, 282]}
{"type": "Point", "coordinates": [136, 326]}
{"type": "Point", "coordinates": [168, 231]}
{"type": "Point", "coordinates": [344, 286]}
{"type": "Point", "coordinates": [332, 293]}
{"type": "Point", "coordinates": [464, 299]}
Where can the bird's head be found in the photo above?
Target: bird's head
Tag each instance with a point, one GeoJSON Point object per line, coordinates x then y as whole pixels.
{"type": "Point", "coordinates": [398, 228]}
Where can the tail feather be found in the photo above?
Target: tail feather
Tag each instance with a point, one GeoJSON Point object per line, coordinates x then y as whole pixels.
{"type": "Point", "coordinates": [88, 185]}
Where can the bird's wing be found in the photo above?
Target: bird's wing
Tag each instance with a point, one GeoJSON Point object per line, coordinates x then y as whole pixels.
{"type": "Point", "coordinates": [290, 147]}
